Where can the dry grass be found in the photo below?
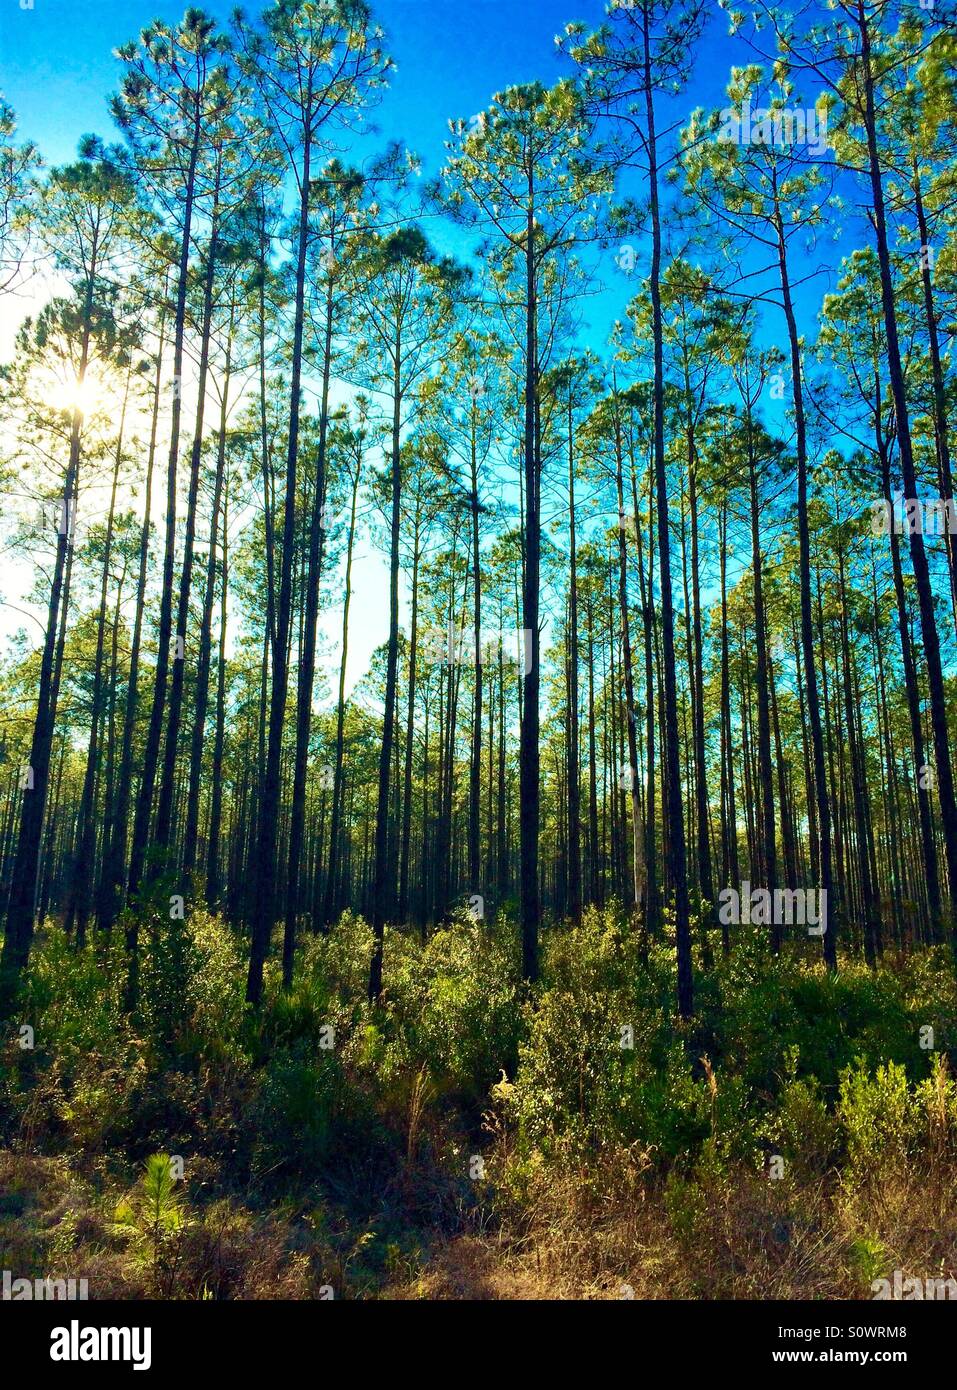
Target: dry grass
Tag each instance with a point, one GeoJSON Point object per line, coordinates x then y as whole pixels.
{"type": "Point", "coordinates": [56, 1224]}
{"type": "Point", "coordinates": [610, 1229]}
{"type": "Point", "coordinates": [621, 1233]}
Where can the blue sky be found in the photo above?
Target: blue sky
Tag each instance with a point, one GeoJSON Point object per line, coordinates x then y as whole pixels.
{"type": "Point", "coordinates": [57, 71]}
{"type": "Point", "coordinates": [56, 64]}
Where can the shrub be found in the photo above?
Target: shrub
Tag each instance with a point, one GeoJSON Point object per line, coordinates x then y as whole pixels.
{"type": "Point", "coordinates": [880, 1119]}
{"type": "Point", "coordinates": [307, 1114]}
{"type": "Point", "coordinates": [458, 1002]}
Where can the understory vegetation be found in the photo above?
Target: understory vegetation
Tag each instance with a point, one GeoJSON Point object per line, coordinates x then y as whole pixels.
{"type": "Point", "coordinates": [470, 1138]}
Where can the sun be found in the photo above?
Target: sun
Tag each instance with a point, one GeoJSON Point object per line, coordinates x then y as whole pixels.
{"type": "Point", "coordinates": [86, 396]}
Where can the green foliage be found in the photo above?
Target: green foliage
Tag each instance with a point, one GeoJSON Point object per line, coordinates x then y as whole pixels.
{"type": "Point", "coordinates": [771, 1057]}
{"type": "Point", "coordinates": [456, 1002]}
{"type": "Point", "coordinates": [214, 1000]}
{"type": "Point", "coordinates": [868, 1259]}
{"type": "Point", "coordinates": [156, 1211]}
{"type": "Point", "coordinates": [73, 998]}
{"type": "Point", "coordinates": [154, 1219]}
{"type": "Point", "coordinates": [585, 1081]}
{"type": "Point", "coordinates": [306, 1115]}
{"type": "Point", "coordinates": [880, 1118]}
{"type": "Point", "coordinates": [803, 1131]}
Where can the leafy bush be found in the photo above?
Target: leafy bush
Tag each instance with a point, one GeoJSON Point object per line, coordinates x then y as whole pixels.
{"type": "Point", "coordinates": [306, 1115]}
{"type": "Point", "coordinates": [880, 1117]}
{"type": "Point", "coordinates": [458, 1002]}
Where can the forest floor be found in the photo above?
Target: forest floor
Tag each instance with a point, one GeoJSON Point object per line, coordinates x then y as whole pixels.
{"type": "Point", "coordinates": [797, 1141]}
{"type": "Point", "coordinates": [55, 1223]}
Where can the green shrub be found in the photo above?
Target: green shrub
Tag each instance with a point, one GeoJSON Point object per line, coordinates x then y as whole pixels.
{"type": "Point", "coordinates": [306, 1115]}
{"type": "Point", "coordinates": [880, 1117]}
{"type": "Point", "coordinates": [803, 1130]}
{"type": "Point", "coordinates": [458, 1002]}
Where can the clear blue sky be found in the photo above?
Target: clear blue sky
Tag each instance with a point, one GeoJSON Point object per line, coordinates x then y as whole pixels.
{"type": "Point", "coordinates": [57, 71]}
{"type": "Point", "coordinates": [56, 64]}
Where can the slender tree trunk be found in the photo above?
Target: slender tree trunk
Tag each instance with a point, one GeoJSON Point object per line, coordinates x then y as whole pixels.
{"type": "Point", "coordinates": [925, 597]}
{"type": "Point", "coordinates": [144, 802]}
{"type": "Point", "coordinates": [381, 865]}
{"type": "Point", "coordinates": [112, 885]}
{"type": "Point", "coordinates": [213, 886]}
{"type": "Point", "coordinates": [574, 766]}
{"type": "Point", "coordinates": [475, 764]}
{"type": "Point", "coordinates": [631, 716]}
{"type": "Point", "coordinates": [529, 734]}
{"type": "Point", "coordinates": [198, 738]}
{"type": "Point", "coordinates": [676, 856]}
{"type": "Point", "coordinates": [333, 877]}
{"type": "Point", "coordinates": [80, 898]}
{"type": "Point", "coordinates": [164, 809]}
{"type": "Point", "coordinates": [406, 846]}
{"type": "Point", "coordinates": [21, 906]}
{"type": "Point", "coordinates": [264, 907]}
{"type": "Point", "coordinates": [307, 663]}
